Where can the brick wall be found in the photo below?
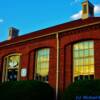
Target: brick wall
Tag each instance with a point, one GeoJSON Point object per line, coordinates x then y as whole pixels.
{"type": "Point", "coordinates": [67, 39]}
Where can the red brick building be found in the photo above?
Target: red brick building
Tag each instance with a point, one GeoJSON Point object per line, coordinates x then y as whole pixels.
{"type": "Point", "coordinates": [58, 55]}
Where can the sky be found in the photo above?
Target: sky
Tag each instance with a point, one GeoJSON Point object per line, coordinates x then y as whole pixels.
{"type": "Point", "coordinates": [32, 15]}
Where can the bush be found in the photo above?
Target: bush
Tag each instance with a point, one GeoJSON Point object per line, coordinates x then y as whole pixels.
{"type": "Point", "coordinates": [83, 89]}
{"type": "Point", "coordinates": [26, 90]}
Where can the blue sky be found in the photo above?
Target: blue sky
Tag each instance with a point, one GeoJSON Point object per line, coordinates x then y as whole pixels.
{"type": "Point", "coordinates": [32, 15]}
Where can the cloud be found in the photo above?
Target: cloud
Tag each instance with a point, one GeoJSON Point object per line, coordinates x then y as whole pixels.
{"type": "Point", "coordinates": [78, 15]}
{"type": "Point", "coordinates": [1, 20]}
{"type": "Point", "coordinates": [97, 9]}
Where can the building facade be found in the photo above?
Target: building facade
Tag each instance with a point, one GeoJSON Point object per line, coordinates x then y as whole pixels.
{"type": "Point", "coordinates": [57, 55]}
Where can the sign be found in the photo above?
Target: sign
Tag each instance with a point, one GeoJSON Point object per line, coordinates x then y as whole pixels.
{"type": "Point", "coordinates": [23, 72]}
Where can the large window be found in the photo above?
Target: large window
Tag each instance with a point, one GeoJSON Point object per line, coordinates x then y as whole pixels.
{"type": "Point", "coordinates": [11, 67]}
{"type": "Point", "coordinates": [83, 60]}
{"type": "Point", "coordinates": [42, 65]}
{"type": "Point", "coordinates": [84, 9]}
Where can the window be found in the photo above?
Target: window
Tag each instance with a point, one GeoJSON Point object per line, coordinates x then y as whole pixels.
{"type": "Point", "coordinates": [91, 10]}
{"type": "Point", "coordinates": [11, 67]}
{"type": "Point", "coordinates": [84, 9]}
{"type": "Point", "coordinates": [42, 65]}
{"type": "Point", "coordinates": [83, 60]}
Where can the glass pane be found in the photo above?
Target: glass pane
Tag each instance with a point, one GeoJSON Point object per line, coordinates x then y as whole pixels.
{"type": "Point", "coordinates": [12, 75]}
{"type": "Point", "coordinates": [81, 46]}
{"type": "Point", "coordinates": [76, 47]}
{"type": "Point", "coordinates": [44, 72]}
{"type": "Point", "coordinates": [86, 53]}
{"type": "Point", "coordinates": [86, 70]}
{"type": "Point", "coordinates": [38, 66]}
{"type": "Point", "coordinates": [76, 62]}
{"type": "Point", "coordinates": [80, 61]}
{"type": "Point", "coordinates": [86, 45]}
{"type": "Point", "coordinates": [46, 52]}
{"type": "Point", "coordinates": [76, 54]}
{"type": "Point", "coordinates": [86, 61]}
{"type": "Point", "coordinates": [81, 53]}
{"type": "Point", "coordinates": [80, 70]}
{"type": "Point", "coordinates": [91, 69]}
{"type": "Point", "coordinates": [76, 69]}
{"type": "Point", "coordinates": [13, 61]}
{"type": "Point", "coordinates": [91, 44]}
{"type": "Point", "coordinates": [45, 58]}
{"type": "Point", "coordinates": [44, 65]}
{"type": "Point", "coordinates": [81, 77]}
{"type": "Point", "coordinates": [91, 52]}
{"type": "Point", "coordinates": [38, 70]}
{"type": "Point", "coordinates": [86, 77]}
{"type": "Point", "coordinates": [91, 60]}
{"type": "Point", "coordinates": [40, 53]}
{"type": "Point", "coordinates": [91, 76]}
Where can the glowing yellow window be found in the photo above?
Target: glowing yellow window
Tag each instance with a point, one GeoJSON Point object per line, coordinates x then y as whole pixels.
{"type": "Point", "coordinates": [42, 65]}
{"type": "Point", "coordinates": [83, 60]}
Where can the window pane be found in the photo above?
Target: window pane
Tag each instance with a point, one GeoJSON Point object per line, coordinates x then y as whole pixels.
{"type": "Point", "coordinates": [76, 69]}
{"type": "Point", "coordinates": [91, 76]}
{"type": "Point", "coordinates": [86, 53]}
{"type": "Point", "coordinates": [86, 77]}
{"type": "Point", "coordinates": [75, 54]}
{"type": "Point", "coordinates": [76, 47]}
{"type": "Point", "coordinates": [80, 61]}
{"type": "Point", "coordinates": [86, 70]}
{"type": "Point", "coordinates": [91, 61]}
{"type": "Point", "coordinates": [13, 61]}
{"type": "Point", "coordinates": [91, 52]}
{"type": "Point", "coordinates": [86, 45]}
{"type": "Point", "coordinates": [12, 75]}
{"type": "Point", "coordinates": [91, 69]}
{"type": "Point", "coordinates": [90, 44]}
{"type": "Point", "coordinates": [86, 61]}
{"type": "Point", "coordinates": [80, 69]}
{"type": "Point", "coordinates": [81, 53]}
{"type": "Point", "coordinates": [76, 62]}
{"type": "Point", "coordinates": [81, 46]}
{"type": "Point", "coordinates": [45, 58]}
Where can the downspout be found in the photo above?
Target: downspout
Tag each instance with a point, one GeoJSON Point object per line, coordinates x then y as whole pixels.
{"type": "Point", "coordinates": [57, 67]}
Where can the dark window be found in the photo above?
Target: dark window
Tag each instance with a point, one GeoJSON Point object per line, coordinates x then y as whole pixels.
{"type": "Point", "coordinates": [84, 9]}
